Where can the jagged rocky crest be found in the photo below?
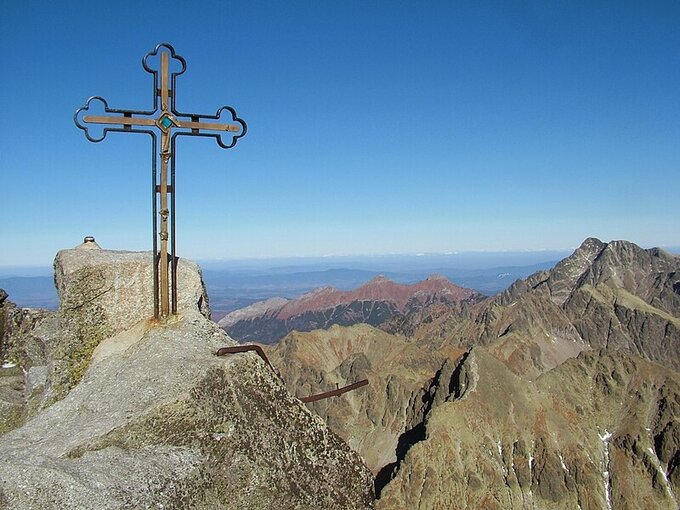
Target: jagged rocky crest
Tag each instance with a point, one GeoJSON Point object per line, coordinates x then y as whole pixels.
{"type": "Point", "coordinates": [616, 296]}
{"type": "Point", "coordinates": [536, 398]}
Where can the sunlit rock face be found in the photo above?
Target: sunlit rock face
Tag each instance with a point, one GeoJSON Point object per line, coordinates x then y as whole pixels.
{"type": "Point", "coordinates": [599, 431]}
{"type": "Point", "coordinates": [117, 286]}
{"type": "Point", "coordinates": [155, 419]}
{"type": "Point", "coordinates": [613, 295]}
{"type": "Point", "coordinates": [101, 293]}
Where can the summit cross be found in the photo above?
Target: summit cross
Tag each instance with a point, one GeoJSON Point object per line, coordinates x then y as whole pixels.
{"type": "Point", "coordinates": [167, 121]}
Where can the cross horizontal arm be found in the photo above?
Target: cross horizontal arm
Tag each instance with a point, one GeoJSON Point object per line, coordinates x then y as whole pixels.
{"type": "Point", "coordinates": [128, 121]}
{"type": "Point", "coordinates": [209, 125]}
{"type": "Point", "coordinates": [132, 121]}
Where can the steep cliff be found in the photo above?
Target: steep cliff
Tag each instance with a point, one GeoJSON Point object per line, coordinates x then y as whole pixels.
{"type": "Point", "coordinates": [599, 431]}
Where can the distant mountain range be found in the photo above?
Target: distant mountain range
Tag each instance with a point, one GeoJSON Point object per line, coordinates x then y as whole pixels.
{"type": "Point", "coordinates": [231, 289]}
{"type": "Point", "coordinates": [377, 302]}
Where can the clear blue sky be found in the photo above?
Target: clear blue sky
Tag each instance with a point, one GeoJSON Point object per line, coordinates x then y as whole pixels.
{"type": "Point", "coordinates": [374, 127]}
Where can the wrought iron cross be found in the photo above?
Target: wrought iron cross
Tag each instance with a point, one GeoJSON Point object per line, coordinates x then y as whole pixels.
{"type": "Point", "coordinates": [164, 118]}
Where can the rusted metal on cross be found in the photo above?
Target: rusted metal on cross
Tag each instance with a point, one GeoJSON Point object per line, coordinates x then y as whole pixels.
{"type": "Point", "coordinates": [170, 123]}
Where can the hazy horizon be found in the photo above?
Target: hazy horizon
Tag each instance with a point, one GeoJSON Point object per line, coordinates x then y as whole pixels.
{"type": "Point", "coordinates": [302, 260]}
{"type": "Point", "coordinates": [233, 284]}
{"type": "Point", "coordinates": [471, 259]}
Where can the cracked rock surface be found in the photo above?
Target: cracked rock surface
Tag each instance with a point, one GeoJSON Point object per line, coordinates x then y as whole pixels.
{"type": "Point", "coordinates": [158, 421]}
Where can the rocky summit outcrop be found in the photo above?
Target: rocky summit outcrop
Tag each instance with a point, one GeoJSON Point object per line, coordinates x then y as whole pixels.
{"type": "Point", "coordinates": [101, 293]}
{"type": "Point", "coordinates": [156, 420]}
{"type": "Point", "coordinates": [116, 286]}
{"type": "Point", "coordinates": [379, 301]}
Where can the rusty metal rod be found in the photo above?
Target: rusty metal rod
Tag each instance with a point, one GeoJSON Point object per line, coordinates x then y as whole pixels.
{"type": "Point", "coordinates": [334, 393]}
{"type": "Point", "coordinates": [311, 398]}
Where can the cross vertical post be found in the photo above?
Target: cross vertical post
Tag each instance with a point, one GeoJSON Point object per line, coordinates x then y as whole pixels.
{"type": "Point", "coordinates": [171, 123]}
{"type": "Point", "coordinates": [165, 156]}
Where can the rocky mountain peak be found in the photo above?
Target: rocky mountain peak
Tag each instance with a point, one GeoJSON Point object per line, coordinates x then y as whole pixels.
{"type": "Point", "coordinates": [565, 275]}
{"type": "Point", "coordinates": [380, 279]}
{"type": "Point", "coordinates": [591, 245]}
{"type": "Point", "coordinates": [615, 295]}
{"type": "Point", "coordinates": [379, 286]}
{"type": "Point", "coordinates": [617, 264]}
{"type": "Point", "coordinates": [624, 264]}
{"type": "Point", "coordinates": [624, 254]}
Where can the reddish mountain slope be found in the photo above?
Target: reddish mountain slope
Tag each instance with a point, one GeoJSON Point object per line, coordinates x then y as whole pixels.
{"type": "Point", "coordinates": [435, 288]}
{"type": "Point", "coordinates": [375, 303]}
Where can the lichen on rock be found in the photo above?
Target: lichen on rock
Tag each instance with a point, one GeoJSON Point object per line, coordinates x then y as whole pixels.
{"type": "Point", "coordinates": [101, 293]}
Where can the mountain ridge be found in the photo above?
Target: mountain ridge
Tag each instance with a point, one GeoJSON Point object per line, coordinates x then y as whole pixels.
{"type": "Point", "coordinates": [374, 302]}
{"type": "Point", "coordinates": [466, 406]}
